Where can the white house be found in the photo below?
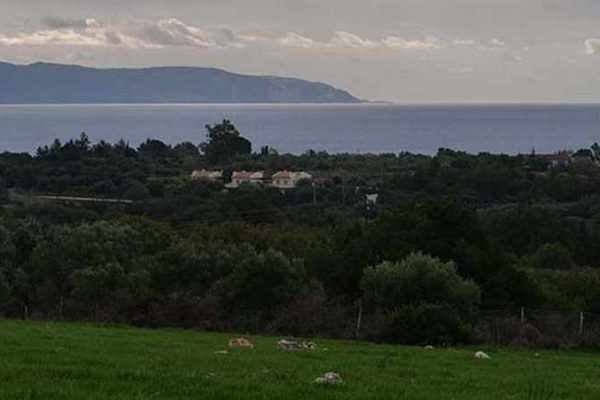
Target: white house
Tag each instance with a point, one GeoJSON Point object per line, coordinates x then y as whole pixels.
{"type": "Point", "coordinates": [372, 198]}
{"type": "Point", "coordinates": [288, 179]}
{"type": "Point", "coordinates": [240, 177]}
{"type": "Point", "coordinates": [560, 159]}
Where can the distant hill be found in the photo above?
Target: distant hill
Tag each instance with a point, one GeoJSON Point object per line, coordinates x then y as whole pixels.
{"type": "Point", "coordinates": [56, 83]}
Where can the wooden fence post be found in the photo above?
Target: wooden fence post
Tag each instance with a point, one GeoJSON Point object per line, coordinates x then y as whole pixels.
{"type": "Point", "coordinates": [358, 319]}
{"type": "Point", "coordinates": [581, 318]}
{"type": "Point", "coordinates": [522, 315]}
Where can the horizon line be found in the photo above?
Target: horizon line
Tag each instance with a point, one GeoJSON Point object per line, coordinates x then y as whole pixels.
{"type": "Point", "coordinates": [358, 104]}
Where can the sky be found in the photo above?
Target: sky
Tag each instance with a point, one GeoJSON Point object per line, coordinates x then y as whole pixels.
{"type": "Point", "coordinates": [390, 50]}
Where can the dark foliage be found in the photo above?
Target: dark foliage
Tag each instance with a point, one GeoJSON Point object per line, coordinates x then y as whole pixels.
{"type": "Point", "coordinates": [190, 253]}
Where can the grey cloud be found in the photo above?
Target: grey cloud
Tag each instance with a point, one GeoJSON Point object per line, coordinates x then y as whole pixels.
{"type": "Point", "coordinates": [512, 58]}
{"type": "Point", "coordinates": [64, 23]}
{"type": "Point", "coordinates": [154, 34]}
{"type": "Point", "coordinates": [592, 46]}
{"type": "Point", "coordinates": [225, 37]}
{"type": "Point", "coordinates": [351, 42]}
{"type": "Point", "coordinates": [174, 32]}
{"type": "Point", "coordinates": [464, 42]}
{"type": "Point", "coordinates": [163, 33]}
{"type": "Point", "coordinates": [113, 38]}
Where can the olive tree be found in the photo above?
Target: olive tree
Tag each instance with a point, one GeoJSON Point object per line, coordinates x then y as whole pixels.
{"type": "Point", "coordinates": [260, 284]}
{"type": "Point", "coordinates": [423, 300]}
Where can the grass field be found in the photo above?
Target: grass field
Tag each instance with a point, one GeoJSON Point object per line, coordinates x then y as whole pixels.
{"type": "Point", "coordinates": [74, 361]}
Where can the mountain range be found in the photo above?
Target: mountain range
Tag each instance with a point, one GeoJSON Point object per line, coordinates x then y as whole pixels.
{"type": "Point", "coordinates": [44, 83]}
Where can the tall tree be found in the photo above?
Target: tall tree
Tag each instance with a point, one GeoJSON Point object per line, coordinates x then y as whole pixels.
{"type": "Point", "coordinates": [224, 143]}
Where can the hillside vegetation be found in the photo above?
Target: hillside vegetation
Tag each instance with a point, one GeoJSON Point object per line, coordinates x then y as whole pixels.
{"type": "Point", "coordinates": [450, 252]}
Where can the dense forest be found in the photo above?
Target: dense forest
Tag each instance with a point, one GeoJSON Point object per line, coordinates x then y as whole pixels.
{"type": "Point", "coordinates": [448, 237]}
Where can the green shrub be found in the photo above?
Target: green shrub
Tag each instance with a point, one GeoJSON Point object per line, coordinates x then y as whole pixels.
{"type": "Point", "coordinates": [423, 300]}
{"type": "Point", "coordinates": [259, 284]}
{"type": "Point", "coordinates": [553, 256]}
{"type": "Point", "coordinates": [424, 324]}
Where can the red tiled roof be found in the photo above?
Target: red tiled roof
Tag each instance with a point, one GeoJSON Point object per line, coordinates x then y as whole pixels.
{"type": "Point", "coordinates": [242, 175]}
{"type": "Point", "coordinates": [282, 175]}
{"type": "Point", "coordinates": [247, 175]}
{"type": "Point", "coordinates": [554, 157]}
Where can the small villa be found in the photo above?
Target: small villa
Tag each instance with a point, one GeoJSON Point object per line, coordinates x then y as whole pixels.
{"type": "Point", "coordinates": [566, 158]}
{"type": "Point", "coordinates": [288, 179]}
{"type": "Point", "coordinates": [561, 159]}
{"type": "Point", "coordinates": [214, 176]}
{"type": "Point", "coordinates": [240, 177]}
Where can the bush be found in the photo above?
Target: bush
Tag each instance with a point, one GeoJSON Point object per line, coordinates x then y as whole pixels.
{"type": "Point", "coordinates": [136, 190]}
{"type": "Point", "coordinates": [553, 256]}
{"type": "Point", "coordinates": [312, 314]}
{"type": "Point", "coordinates": [423, 301]}
{"type": "Point", "coordinates": [4, 288]}
{"type": "Point", "coordinates": [576, 290]}
{"type": "Point", "coordinates": [424, 324]}
{"type": "Point", "coordinates": [259, 285]}
{"type": "Point", "coordinates": [3, 190]}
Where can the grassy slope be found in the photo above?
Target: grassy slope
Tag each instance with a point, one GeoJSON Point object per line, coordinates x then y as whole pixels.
{"type": "Point", "coordinates": [74, 361]}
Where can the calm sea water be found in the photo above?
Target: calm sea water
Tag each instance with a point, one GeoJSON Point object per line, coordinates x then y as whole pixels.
{"type": "Point", "coordinates": [373, 128]}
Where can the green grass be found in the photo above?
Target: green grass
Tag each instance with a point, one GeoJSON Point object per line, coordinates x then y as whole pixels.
{"type": "Point", "coordinates": [76, 361]}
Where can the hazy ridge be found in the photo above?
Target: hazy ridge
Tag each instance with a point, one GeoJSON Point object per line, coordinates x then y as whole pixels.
{"type": "Point", "coordinates": [43, 83]}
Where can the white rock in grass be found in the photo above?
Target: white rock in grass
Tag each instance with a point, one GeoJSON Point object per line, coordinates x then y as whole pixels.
{"type": "Point", "coordinates": [291, 345]}
{"type": "Point", "coordinates": [482, 356]}
{"type": "Point", "coordinates": [429, 347]}
{"type": "Point", "coordinates": [330, 378]}
{"type": "Point", "coordinates": [241, 343]}
{"type": "Point", "coordinates": [288, 345]}
{"type": "Point", "coordinates": [309, 345]}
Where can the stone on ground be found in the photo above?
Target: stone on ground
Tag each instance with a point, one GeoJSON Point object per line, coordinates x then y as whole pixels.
{"type": "Point", "coordinates": [482, 356]}
{"type": "Point", "coordinates": [241, 343]}
{"type": "Point", "coordinates": [330, 378]}
{"type": "Point", "coordinates": [291, 345]}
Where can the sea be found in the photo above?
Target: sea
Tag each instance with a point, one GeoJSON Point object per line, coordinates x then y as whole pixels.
{"type": "Point", "coordinates": [297, 128]}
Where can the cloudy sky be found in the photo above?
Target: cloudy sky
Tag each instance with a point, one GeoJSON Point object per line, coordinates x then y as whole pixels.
{"type": "Point", "coordinates": [397, 50]}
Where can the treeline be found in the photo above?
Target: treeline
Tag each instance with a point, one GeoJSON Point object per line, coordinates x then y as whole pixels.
{"type": "Point", "coordinates": [298, 279]}
{"type": "Point", "coordinates": [159, 175]}
{"type": "Point", "coordinates": [449, 236]}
